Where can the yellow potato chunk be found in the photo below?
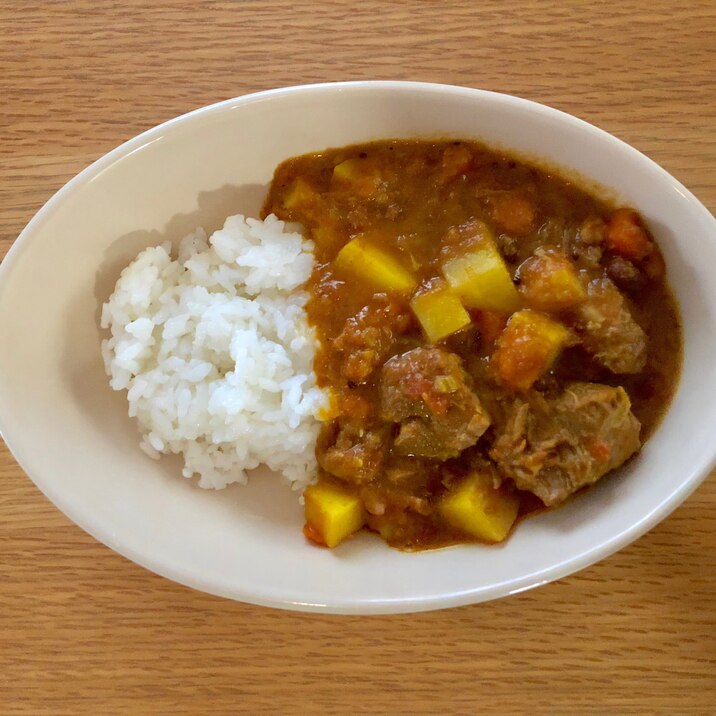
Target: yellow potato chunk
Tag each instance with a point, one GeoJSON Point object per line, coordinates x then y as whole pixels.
{"type": "Point", "coordinates": [527, 348]}
{"type": "Point", "coordinates": [477, 508]}
{"type": "Point", "coordinates": [300, 195]}
{"type": "Point", "coordinates": [440, 313]}
{"type": "Point", "coordinates": [370, 263]}
{"type": "Point", "coordinates": [481, 279]}
{"type": "Point", "coordinates": [332, 513]}
{"type": "Point", "coordinates": [362, 175]}
{"type": "Point", "coordinates": [349, 170]}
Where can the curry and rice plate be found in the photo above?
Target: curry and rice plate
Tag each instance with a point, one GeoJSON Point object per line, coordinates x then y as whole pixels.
{"type": "Point", "coordinates": [454, 339]}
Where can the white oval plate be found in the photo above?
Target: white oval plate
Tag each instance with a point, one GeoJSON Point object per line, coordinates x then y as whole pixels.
{"type": "Point", "coordinates": [71, 435]}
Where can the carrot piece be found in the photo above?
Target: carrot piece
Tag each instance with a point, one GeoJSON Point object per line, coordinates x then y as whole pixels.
{"type": "Point", "coordinates": [312, 534]}
{"type": "Point", "coordinates": [513, 213]}
{"type": "Point", "coordinates": [490, 323]}
{"type": "Point", "coordinates": [549, 282]}
{"type": "Point", "coordinates": [627, 237]}
{"type": "Point", "coordinates": [527, 349]}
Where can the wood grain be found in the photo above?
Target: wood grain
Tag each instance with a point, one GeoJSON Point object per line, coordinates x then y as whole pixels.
{"type": "Point", "coordinates": [83, 630]}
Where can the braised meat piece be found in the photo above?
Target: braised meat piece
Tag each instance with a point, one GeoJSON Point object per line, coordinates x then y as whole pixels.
{"type": "Point", "coordinates": [351, 451]}
{"type": "Point", "coordinates": [427, 391]}
{"type": "Point", "coordinates": [554, 446]}
{"type": "Point", "coordinates": [402, 485]}
{"type": "Point", "coordinates": [608, 331]}
{"type": "Point", "coordinates": [586, 243]}
{"type": "Point", "coordinates": [398, 503]}
{"type": "Point", "coordinates": [592, 232]}
{"type": "Point", "coordinates": [366, 338]}
{"type": "Point", "coordinates": [625, 274]}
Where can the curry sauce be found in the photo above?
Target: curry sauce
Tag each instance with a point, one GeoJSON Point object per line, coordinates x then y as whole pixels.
{"type": "Point", "coordinates": [494, 338]}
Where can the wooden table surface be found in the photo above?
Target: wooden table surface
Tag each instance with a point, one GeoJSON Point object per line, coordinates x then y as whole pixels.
{"type": "Point", "coordinates": [83, 630]}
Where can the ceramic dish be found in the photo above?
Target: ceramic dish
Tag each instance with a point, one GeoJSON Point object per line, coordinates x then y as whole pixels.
{"type": "Point", "coordinates": [71, 434]}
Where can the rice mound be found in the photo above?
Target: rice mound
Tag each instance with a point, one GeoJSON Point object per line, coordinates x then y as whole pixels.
{"type": "Point", "coordinates": [216, 354]}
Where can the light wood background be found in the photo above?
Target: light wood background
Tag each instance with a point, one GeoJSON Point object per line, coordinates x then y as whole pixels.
{"type": "Point", "coordinates": [83, 630]}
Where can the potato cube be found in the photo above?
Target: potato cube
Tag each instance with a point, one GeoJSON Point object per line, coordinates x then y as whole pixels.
{"type": "Point", "coordinates": [300, 195]}
{"type": "Point", "coordinates": [365, 260]}
{"type": "Point", "coordinates": [332, 513]}
{"type": "Point", "coordinates": [440, 313]}
{"type": "Point", "coordinates": [362, 175]}
{"type": "Point", "coordinates": [481, 279]}
{"type": "Point", "coordinates": [477, 508]}
{"type": "Point", "coordinates": [349, 170]}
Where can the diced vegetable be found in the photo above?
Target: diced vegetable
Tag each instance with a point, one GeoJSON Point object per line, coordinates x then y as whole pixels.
{"type": "Point", "coordinates": [477, 508]}
{"type": "Point", "coordinates": [549, 282]}
{"type": "Point", "coordinates": [363, 259]}
{"type": "Point", "coordinates": [440, 313]}
{"type": "Point", "coordinates": [349, 170]}
{"type": "Point", "coordinates": [457, 159]}
{"type": "Point", "coordinates": [362, 175]}
{"type": "Point", "coordinates": [300, 195]}
{"type": "Point", "coordinates": [527, 348]}
{"type": "Point", "coordinates": [513, 213]}
{"type": "Point", "coordinates": [303, 203]}
{"type": "Point", "coordinates": [490, 324]}
{"type": "Point", "coordinates": [332, 513]}
{"type": "Point", "coordinates": [481, 278]}
{"type": "Point", "coordinates": [627, 237]}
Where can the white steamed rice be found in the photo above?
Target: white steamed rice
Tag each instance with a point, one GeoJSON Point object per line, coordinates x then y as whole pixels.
{"type": "Point", "coordinates": [216, 354]}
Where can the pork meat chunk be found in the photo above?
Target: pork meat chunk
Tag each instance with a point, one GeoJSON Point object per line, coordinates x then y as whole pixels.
{"type": "Point", "coordinates": [351, 451]}
{"type": "Point", "coordinates": [608, 330]}
{"type": "Point", "coordinates": [555, 446]}
{"type": "Point", "coordinates": [429, 394]}
{"type": "Point", "coordinates": [367, 337]}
